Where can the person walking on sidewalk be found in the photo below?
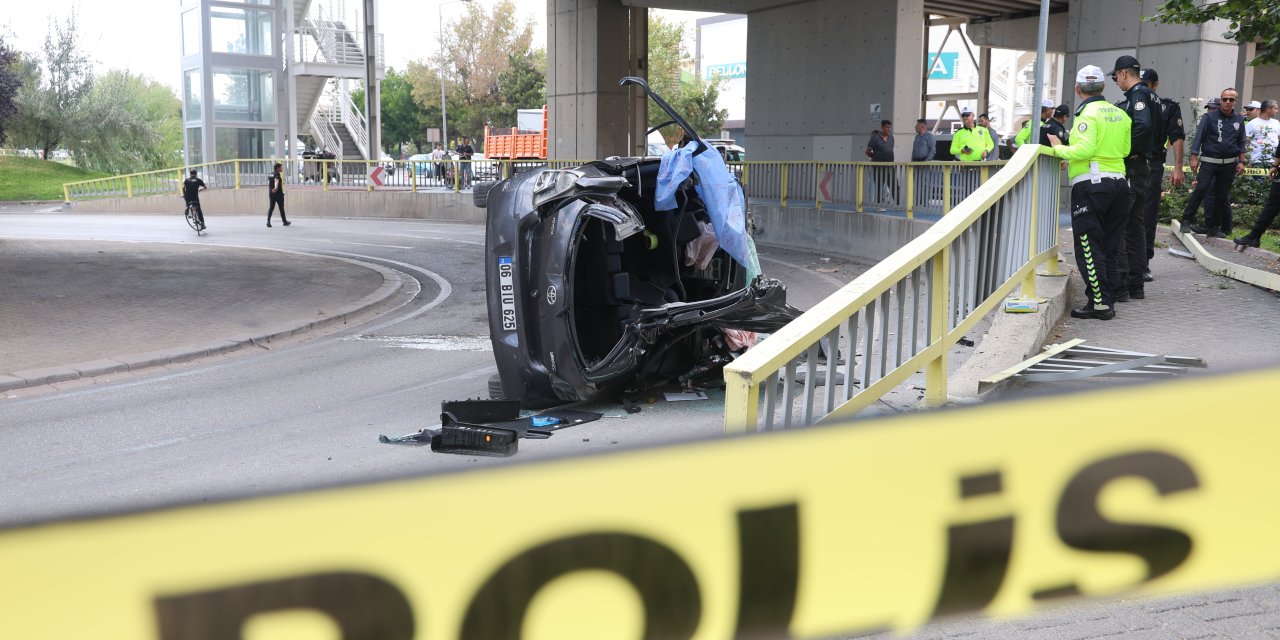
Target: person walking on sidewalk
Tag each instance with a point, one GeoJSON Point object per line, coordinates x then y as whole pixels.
{"type": "Point", "coordinates": [1269, 210]}
{"type": "Point", "coordinates": [1099, 191]}
{"type": "Point", "coordinates": [1139, 104]}
{"type": "Point", "coordinates": [1220, 137]}
{"type": "Point", "coordinates": [275, 190]}
{"type": "Point", "coordinates": [1175, 135]}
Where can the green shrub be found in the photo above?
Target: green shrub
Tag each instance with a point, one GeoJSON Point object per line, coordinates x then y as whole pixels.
{"type": "Point", "coordinates": [1248, 194]}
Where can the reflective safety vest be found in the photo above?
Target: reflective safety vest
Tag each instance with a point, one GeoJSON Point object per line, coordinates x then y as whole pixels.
{"type": "Point", "coordinates": [1024, 136]}
{"type": "Point", "coordinates": [977, 139]}
{"type": "Point", "coordinates": [1100, 142]}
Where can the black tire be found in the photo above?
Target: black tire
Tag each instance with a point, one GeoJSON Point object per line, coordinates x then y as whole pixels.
{"type": "Point", "coordinates": [480, 193]}
{"type": "Point", "coordinates": [495, 387]}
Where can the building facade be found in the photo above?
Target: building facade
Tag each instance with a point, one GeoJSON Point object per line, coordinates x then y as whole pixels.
{"type": "Point", "coordinates": [264, 78]}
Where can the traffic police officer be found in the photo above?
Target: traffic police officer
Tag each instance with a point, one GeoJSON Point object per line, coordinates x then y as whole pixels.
{"type": "Point", "coordinates": [1140, 105]}
{"type": "Point", "coordinates": [1050, 127]}
{"type": "Point", "coordinates": [970, 142]}
{"type": "Point", "coordinates": [1099, 192]}
{"type": "Point", "coordinates": [1174, 134]}
{"type": "Point", "coordinates": [1220, 136]}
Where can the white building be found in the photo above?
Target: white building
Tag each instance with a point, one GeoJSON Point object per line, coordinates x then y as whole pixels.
{"type": "Point", "coordinates": [259, 73]}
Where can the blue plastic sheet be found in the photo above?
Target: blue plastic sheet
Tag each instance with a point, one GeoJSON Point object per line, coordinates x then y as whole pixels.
{"type": "Point", "coordinates": [721, 193]}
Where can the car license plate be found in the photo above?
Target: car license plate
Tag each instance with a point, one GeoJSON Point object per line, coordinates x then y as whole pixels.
{"type": "Point", "coordinates": [507, 291]}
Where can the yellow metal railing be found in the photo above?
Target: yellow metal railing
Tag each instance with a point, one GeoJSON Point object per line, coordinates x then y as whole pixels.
{"type": "Point", "coordinates": [403, 175]}
{"type": "Point", "coordinates": [903, 315]}
{"type": "Point", "coordinates": [912, 187]}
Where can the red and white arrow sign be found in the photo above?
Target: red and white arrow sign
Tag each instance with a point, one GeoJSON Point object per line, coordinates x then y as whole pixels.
{"type": "Point", "coordinates": [822, 186]}
{"type": "Point", "coordinates": [375, 175]}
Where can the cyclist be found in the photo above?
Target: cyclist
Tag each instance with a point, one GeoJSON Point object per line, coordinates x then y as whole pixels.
{"type": "Point", "coordinates": [191, 193]}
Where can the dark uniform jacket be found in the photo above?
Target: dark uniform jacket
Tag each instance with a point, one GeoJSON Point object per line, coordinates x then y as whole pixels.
{"type": "Point", "coordinates": [1139, 103]}
{"type": "Point", "coordinates": [1171, 113]}
{"type": "Point", "coordinates": [1219, 136]}
{"type": "Point", "coordinates": [191, 189]}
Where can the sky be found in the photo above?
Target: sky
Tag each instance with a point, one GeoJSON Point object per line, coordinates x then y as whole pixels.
{"type": "Point", "coordinates": [142, 36]}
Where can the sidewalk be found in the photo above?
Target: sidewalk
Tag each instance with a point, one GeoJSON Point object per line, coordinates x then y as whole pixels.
{"type": "Point", "coordinates": [73, 309]}
{"type": "Point", "coordinates": [1187, 311]}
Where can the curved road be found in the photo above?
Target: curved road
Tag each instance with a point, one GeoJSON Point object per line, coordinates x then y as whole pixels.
{"type": "Point", "coordinates": [302, 414]}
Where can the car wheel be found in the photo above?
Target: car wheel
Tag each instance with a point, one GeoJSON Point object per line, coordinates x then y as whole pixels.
{"type": "Point", "coordinates": [480, 193]}
{"type": "Point", "coordinates": [495, 387]}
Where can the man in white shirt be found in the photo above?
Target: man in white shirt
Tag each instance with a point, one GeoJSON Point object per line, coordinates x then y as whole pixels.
{"type": "Point", "coordinates": [1263, 134]}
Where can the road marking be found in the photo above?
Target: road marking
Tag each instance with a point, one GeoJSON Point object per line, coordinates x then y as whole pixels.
{"type": "Point", "coordinates": [366, 244]}
{"type": "Point", "coordinates": [429, 343]}
{"type": "Point", "coordinates": [833, 280]}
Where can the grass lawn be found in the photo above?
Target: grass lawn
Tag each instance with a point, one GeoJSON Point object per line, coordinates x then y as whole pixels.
{"type": "Point", "coordinates": [35, 179]}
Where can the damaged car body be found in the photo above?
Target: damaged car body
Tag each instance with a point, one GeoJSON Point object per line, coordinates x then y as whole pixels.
{"type": "Point", "coordinates": [592, 289]}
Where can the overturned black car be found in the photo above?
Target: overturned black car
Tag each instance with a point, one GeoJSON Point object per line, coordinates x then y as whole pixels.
{"type": "Point", "coordinates": [591, 290]}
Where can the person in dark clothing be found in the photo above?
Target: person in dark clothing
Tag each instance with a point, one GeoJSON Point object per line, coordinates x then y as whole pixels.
{"type": "Point", "coordinates": [880, 146]}
{"type": "Point", "coordinates": [1140, 105]}
{"type": "Point", "coordinates": [1060, 115]}
{"type": "Point", "coordinates": [1174, 135]}
{"type": "Point", "coordinates": [1220, 138]}
{"type": "Point", "coordinates": [191, 194]}
{"type": "Point", "coordinates": [465, 151]}
{"type": "Point", "coordinates": [275, 191]}
{"type": "Point", "coordinates": [1269, 210]}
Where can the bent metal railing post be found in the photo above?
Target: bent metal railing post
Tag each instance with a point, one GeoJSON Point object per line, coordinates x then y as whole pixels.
{"type": "Point", "coordinates": [904, 314]}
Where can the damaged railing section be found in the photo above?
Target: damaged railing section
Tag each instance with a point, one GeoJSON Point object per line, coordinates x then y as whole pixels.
{"type": "Point", "coordinates": [904, 314]}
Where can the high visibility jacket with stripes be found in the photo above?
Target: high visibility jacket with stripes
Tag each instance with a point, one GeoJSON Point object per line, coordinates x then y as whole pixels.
{"type": "Point", "coordinates": [1100, 141]}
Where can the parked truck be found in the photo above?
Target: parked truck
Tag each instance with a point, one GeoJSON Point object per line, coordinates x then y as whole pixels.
{"type": "Point", "coordinates": [526, 141]}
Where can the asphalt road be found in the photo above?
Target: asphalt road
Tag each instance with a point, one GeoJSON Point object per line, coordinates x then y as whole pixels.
{"type": "Point", "coordinates": [301, 414]}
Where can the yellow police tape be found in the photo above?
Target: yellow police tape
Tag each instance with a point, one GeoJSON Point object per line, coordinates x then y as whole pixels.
{"type": "Point", "coordinates": [885, 524]}
{"type": "Point", "coordinates": [1249, 171]}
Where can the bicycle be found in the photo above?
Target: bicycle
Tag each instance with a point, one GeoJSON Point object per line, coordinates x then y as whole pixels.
{"type": "Point", "coordinates": [193, 217]}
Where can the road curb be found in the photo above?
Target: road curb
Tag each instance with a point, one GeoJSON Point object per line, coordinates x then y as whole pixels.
{"type": "Point", "coordinates": [391, 283]}
{"type": "Point", "coordinates": [1012, 338]}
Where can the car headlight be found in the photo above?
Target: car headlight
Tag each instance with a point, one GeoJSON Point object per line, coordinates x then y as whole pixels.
{"type": "Point", "coordinates": [551, 185]}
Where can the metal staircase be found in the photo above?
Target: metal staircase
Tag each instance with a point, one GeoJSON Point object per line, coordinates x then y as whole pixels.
{"type": "Point", "coordinates": [328, 55]}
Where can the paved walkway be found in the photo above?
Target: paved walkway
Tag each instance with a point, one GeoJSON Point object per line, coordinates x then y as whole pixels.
{"type": "Point", "coordinates": [1187, 311]}
{"type": "Point", "coordinates": [73, 309]}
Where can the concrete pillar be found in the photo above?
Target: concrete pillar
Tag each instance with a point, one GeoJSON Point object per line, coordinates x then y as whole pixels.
{"type": "Point", "coordinates": [1244, 72]}
{"type": "Point", "coordinates": [587, 53]}
{"type": "Point", "coordinates": [638, 64]}
{"type": "Point", "coordinates": [1193, 60]}
{"type": "Point", "coordinates": [819, 68]}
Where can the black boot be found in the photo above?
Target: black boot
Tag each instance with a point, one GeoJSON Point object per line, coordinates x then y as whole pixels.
{"type": "Point", "coordinates": [1088, 311]}
{"type": "Point", "coordinates": [1247, 240]}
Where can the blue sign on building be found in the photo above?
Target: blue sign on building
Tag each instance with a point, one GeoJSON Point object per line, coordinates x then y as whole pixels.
{"type": "Point", "coordinates": [729, 70]}
{"type": "Point", "coordinates": [944, 67]}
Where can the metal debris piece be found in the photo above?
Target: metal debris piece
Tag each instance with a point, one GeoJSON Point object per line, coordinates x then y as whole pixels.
{"type": "Point", "coordinates": [1073, 360]}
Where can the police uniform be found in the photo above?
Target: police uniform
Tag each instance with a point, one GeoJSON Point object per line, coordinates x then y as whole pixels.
{"type": "Point", "coordinates": [1219, 143]}
{"type": "Point", "coordinates": [1139, 105]}
{"type": "Point", "coordinates": [978, 139]}
{"type": "Point", "coordinates": [1171, 132]}
{"type": "Point", "coordinates": [1100, 196]}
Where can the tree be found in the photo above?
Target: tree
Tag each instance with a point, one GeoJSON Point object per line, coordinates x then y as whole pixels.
{"type": "Point", "coordinates": [47, 108]}
{"type": "Point", "coordinates": [479, 47]}
{"type": "Point", "coordinates": [697, 103]}
{"type": "Point", "coordinates": [523, 85]}
{"type": "Point", "coordinates": [694, 99]}
{"type": "Point", "coordinates": [403, 118]}
{"type": "Point", "coordinates": [1249, 21]}
{"type": "Point", "coordinates": [10, 82]}
{"type": "Point", "coordinates": [129, 123]}
{"type": "Point", "coordinates": [667, 56]}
